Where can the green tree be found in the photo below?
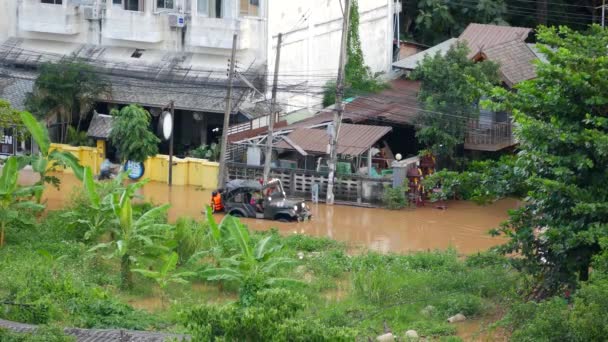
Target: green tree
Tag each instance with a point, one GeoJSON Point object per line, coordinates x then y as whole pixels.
{"type": "Point", "coordinates": [10, 119]}
{"type": "Point", "coordinates": [452, 86]}
{"type": "Point", "coordinates": [68, 90]}
{"type": "Point", "coordinates": [358, 76]}
{"type": "Point", "coordinates": [48, 160]}
{"type": "Point", "coordinates": [14, 198]}
{"type": "Point", "coordinates": [133, 239]}
{"type": "Point", "coordinates": [131, 134]}
{"type": "Point", "coordinates": [562, 128]}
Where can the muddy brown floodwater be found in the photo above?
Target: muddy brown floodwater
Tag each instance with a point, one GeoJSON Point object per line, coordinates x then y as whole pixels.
{"type": "Point", "coordinates": [463, 226]}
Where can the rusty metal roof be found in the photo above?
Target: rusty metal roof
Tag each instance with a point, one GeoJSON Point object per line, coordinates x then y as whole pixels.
{"type": "Point", "coordinates": [515, 59]}
{"type": "Point", "coordinates": [484, 36]}
{"type": "Point", "coordinates": [353, 140]}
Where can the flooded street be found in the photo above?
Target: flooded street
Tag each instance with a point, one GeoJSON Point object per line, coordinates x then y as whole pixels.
{"type": "Point", "coordinates": [463, 225]}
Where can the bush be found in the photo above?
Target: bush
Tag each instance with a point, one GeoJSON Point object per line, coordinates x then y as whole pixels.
{"type": "Point", "coordinates": [394, 198]}
{"type": "Point", "coordinates": [190, 238]}
{"type": "Point", "coordinates": [467, 304]}
{"type": "Point", "coordinates": [270, 317]}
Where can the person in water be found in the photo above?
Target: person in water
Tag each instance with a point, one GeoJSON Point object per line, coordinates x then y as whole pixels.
{"type": "Point", "coordinates": [216, 201]}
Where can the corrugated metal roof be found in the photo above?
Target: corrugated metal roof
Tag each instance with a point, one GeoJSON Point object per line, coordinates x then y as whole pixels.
{"type": "Point", "coordinates": [515, 59]}
{"type": "Point", "coordinates": [410, 63]}
{"type": "Point", "coordinates": [100, 126]}
{"type": "Point", "coordinates": [353, 140]}
{"type": "Point", "coordinates": [483, 36]}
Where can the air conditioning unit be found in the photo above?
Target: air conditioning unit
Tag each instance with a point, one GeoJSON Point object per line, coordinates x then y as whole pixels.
{"type": "Point", "coordinates": [177, 20]}
{"type": "Point", "coordinates": [92, 13]}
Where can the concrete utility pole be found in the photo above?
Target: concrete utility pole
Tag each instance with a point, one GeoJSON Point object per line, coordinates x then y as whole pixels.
{"type": "Point", "coordinates": [335, 129]}
{"type": "Point", "coordinates": [224, 146]}
{"type": "Point", "coordinates": [274, 111]}
{"type": "Point", "coordinates": [603, 7]}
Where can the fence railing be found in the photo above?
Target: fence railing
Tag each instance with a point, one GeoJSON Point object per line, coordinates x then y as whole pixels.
{"type": "Point", "coordinates": [498, 135]}
{"type": "Point", "coordinates": [297, 182]}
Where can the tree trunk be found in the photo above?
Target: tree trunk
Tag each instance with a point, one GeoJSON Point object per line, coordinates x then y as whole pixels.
{"type": "Point", "coordinates": [583, 273]}
{"type": "Point", "coordinates": [126, 277]}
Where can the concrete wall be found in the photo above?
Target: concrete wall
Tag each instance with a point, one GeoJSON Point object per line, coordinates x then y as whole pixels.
{"type": "Point", "coordinates": [188, 171]}
{"type": "Point", "coordinates": [8, 12]}
{"type": "Point", "coordinates": [312, 32]}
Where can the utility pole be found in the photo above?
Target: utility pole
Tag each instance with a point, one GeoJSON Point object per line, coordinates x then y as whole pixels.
{"type": "Point", "coordinates": [227, 112]}
{"type": "Point", "coordinates": [274, 111]}
{"type": "Point", "coordinates": [172, 106]}
{"type": "Point", "coordinates": [339, 109]}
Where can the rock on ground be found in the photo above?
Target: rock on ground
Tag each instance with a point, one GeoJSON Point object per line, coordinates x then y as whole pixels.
{"type": "Point", "coordinates": [411, 335]}
{"type": "Point", "coordinates": [457, 318]}
{"type": "Point", "coordinates": [386, 338]}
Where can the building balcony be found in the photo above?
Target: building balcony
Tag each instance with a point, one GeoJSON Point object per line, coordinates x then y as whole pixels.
{"type": "Point", "coordinates": [217, 33]}
{"type": "Point", "coordinates": [491, 137]}
{"type": "Point", "coordinates": [48, 18]}
{"type": "Point", "coordinates": [134, 26]}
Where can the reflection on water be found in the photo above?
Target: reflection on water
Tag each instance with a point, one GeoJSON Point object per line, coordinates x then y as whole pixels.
{"type": "Point", "coordinates": [463, 225]}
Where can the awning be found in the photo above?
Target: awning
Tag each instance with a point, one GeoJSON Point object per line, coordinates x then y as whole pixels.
{"type": "Point", "coordinates": [353, 140]}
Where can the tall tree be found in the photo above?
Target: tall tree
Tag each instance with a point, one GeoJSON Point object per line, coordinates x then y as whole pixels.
{"type": "Point", "coordinates": [562, 120]}
{"type": "Point", "coordinates": [131, 134]}
{"type": "Point", "coordinates": [451, 88]}
{"type": "Point", "coordinates": [67, 90]}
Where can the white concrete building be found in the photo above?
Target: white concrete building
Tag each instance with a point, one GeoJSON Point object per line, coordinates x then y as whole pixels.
{"type": "Point", "coordinates": [188, 42]}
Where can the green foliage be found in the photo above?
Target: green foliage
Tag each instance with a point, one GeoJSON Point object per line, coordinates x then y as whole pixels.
{"type": "Point", "coordinates": [48, 160]}
{"type": "Point", "coordinates": [483, 182]}
{"type": "Point", "coordinates": [395, 198]}
{"type": "Point", "coordinates": [67, 89]}
{"type": "Point", "coordinates": [166, 273]}
{"type": "Point", "coordinates": [190, 238]}
{"type": "Point", "coordinates": [209, 152]}
{"type": "Point", "coordinates": [452, 86]}
{"type": "Point", "coordinates": [78, 138]}
{"type": "Point", "coordinates": [439, 20]}
{"type": "Point", "coordinates": [252, 267]}
{"type": "Point", "coordinates": [15, 207]}
{"type": "Point", "coordinates": [134, 238]}
{"type": "Point", "coordinates": [42, 334]}
{"type": "Point", "coordinates": [131, 134]}
{"type": "Point", "coordinates": [10, 119]}
{"type": "Point", "coordinates": [358, 76]}
{"type": "Point", "coordinates": [273, 316]}
{"type": "Point", "coordinates": [563, 134]}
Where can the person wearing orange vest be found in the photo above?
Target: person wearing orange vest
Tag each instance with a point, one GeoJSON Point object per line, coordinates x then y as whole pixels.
{"type": "Point", "coordinates": [216, 202]}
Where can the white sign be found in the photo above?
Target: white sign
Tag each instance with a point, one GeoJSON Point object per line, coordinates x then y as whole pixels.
{"type": "Point", "coordinates": [6, 140]}
{"type": "Point", "coordinates": [167, 125]}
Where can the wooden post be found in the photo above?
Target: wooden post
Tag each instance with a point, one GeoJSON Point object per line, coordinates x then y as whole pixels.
{"type": "Point", "coordinates": [171, 143]}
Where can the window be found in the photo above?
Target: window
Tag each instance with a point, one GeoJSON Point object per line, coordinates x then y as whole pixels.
{"type": "Point", "coordinates": [165, 4]}
{"type": "Point", "coordinates": [216, 8]}
{"type": "Point", "coordinates": [131, 5]}
{"type": "Point", "coordinates": [137, 53]}
{"type": "Point", "coordinates": [250, 8]}
{"type": "Point", "coordinates": [52, 2]}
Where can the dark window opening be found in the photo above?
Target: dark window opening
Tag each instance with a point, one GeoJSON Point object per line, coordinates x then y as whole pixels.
{"type": "Point", "coordinates": [137, 53]}
{"type": "Point", "coordinates": [52, 2]}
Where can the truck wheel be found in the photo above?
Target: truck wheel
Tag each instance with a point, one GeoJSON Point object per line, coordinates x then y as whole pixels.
{"type": "Point", "coordinates": [236, 214]}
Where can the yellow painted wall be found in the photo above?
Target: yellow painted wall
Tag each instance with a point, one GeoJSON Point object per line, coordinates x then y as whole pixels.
{"type": "Point", "coordinates": [188, 171]}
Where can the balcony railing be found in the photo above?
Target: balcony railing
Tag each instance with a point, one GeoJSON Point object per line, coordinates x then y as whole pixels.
{"type": "Point", "coordinates": [489, 137]}
{"type": "Point", "coordinates": [134, 26]}
{"type": "Point", "coordinates": [48, 18]}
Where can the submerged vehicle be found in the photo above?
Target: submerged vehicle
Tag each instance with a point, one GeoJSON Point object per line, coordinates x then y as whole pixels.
{"type": "Point", "coordinates": [271, 203]}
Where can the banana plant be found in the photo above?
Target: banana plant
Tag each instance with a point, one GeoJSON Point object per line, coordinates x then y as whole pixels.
{"type": "Point", "coordinates": [14, 198]}
{"type": "Point", "coordinates": [258, 262]}
{"type": "Point", "coordinates": [133, 239]}
{"type": "Point", "coordinates": [166, 274]}
{"type": "Point", "coordinates": [48, 160]}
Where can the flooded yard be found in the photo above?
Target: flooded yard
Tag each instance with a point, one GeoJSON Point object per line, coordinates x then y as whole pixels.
{"type": "Point", "coordinates": [463, 225]}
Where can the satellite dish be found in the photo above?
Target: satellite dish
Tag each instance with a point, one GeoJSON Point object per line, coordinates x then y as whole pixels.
{"type": "Point", "coordinates": [155, 112]}
{"type": "Point", "coordinates": [198, 116]}
{"type": "Point", "coordinates": [167, 125]}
